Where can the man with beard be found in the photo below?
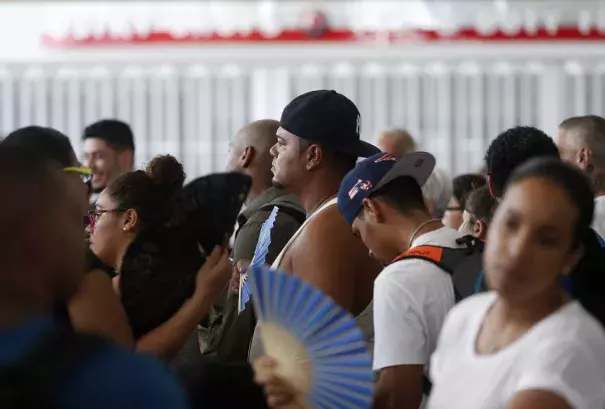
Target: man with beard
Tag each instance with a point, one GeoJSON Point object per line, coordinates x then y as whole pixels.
{"type": "Point", "coordinates": [318, 143]}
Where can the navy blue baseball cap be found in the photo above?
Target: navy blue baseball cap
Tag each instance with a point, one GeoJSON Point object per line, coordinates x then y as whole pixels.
{"type": "Point", "coordinates": [375, 172]}
{"type": "Point", "coordinates": [328, 118]}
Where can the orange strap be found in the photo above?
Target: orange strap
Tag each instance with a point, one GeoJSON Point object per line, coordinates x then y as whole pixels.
{"type": "Point", "coordinates": [431, 252]}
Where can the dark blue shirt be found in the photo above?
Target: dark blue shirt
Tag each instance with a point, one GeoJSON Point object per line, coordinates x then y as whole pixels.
{"type": "Point", "coordinates": [111, 378]}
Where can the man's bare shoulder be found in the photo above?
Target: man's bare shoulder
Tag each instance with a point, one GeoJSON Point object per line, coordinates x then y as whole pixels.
{"type": "Point", "coordinates": [328, 231]}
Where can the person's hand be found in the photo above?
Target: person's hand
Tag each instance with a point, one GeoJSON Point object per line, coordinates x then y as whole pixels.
{"type": "Point", "coordinates": [280, 394]}
{"type": "Point", "coordinates": [238, 269]}
{"type": "Point", "coordinates": [213, 277]}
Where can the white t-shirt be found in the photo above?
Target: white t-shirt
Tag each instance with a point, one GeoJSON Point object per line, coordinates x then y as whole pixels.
{"type": "Point", "coordinates": [411, 300]}
{"type": "Point", "coordinates": [598, 220]}
{"type": "Point", "coordinates": [564, 353]}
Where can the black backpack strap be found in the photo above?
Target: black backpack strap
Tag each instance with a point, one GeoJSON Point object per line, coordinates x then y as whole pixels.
{"type": "Point", "coordinates": [291, 211]}
{"type": "Point", "coordinates": [34, 379]}
{"type": "Point", "coordinates": [427, 385]}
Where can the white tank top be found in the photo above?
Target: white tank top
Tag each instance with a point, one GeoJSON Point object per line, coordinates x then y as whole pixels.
{"type": "Point", "coordinates": [364, 320]}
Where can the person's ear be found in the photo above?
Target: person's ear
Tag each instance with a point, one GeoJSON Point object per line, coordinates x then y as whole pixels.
{"type": "Point", "coordinates": [372, 210]}
{"type": "Point", "coordinates": [585, 160]}
{"type": "Point", "coordinates": [314, 156]}
{"type": "Point", "coordinates": [480, 230]}
{"type": "Point", "coordinates": [490, 186]}
{"type": "Point", "coordinates": [247, 157]}
{"type": "Point", "coordinates": [130, 219]}
{"type": "Point", "coordinates": [573, 260]}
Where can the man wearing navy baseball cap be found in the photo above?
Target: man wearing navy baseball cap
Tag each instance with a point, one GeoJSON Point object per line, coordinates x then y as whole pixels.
{"type": "Point", "coordinates": [381, 199]}
{"type": "Point", "coordinates": [318, 143]}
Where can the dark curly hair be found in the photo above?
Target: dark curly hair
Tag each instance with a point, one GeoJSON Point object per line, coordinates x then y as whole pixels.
{"type": "Point", "coordinates": [158, 270]}
{"type": "Point", "coordinates": [154, 192]}
{"type": "Point", "coordinates": [512, 148]}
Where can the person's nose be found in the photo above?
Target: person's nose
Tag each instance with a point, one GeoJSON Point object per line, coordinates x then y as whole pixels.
{"type": "Point", "coordinates": [273, 150]}
{"type": "Point", "coordinates": [517, 248]}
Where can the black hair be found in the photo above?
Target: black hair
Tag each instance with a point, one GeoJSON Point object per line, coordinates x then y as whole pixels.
{"type": "Point", "coordinates": [26, 184]}
{"type": "Point", "coordinates": [464, 185]}
{"type": "Point", "coordinates": [587, 278]}
{"type": "Point", "coordinates": [403, 194]}
{"type": "Point", "coordinates": [117, 134]}
{"type": "Point", "coordinates": [158, 271]}
{"type": "Point", "coordinates": [513, 147]}
{"type": "Point", "coordinates": [481, 205]}
{"type": "Point", "coordinates": [47, 142]}
{"type": "Point", "coordinates": [154, 192]}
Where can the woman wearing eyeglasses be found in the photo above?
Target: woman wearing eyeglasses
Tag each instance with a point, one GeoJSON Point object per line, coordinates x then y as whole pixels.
{"type": "Point", "coordinates": [137, 229]}
{"type": "Point", "coordinates": [95, 308]}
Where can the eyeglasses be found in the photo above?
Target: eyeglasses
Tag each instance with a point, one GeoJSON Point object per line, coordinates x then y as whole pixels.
{"type": "Point", "coordinates": [93, 215]}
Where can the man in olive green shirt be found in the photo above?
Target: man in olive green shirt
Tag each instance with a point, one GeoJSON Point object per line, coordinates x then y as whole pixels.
{"type": "Point", "coordinates": [230, 333]}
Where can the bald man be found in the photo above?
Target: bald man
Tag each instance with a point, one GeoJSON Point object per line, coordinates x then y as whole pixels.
{"type": "Point", "coordinates": [397, 142]}
{"type": "Point", "coordinates": [581, 142]}
{"type": "Point", "coordinates": [230, 333]}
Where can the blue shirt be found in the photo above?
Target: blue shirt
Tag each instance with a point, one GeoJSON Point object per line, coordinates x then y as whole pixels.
{"type": "Point", "coordinates": [111, 378]}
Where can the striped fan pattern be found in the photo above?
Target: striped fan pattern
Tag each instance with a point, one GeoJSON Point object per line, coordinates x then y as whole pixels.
{"type": "Point", "coordinates": [260, 253]}
{"type": "Point", "coordinates": [316, 343]}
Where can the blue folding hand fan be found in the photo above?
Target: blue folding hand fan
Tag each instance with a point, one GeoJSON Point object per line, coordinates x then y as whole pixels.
{"type": "Point", "coordinates": [260, 252]}
{"type": "Point", "coordinates": [317, 344]}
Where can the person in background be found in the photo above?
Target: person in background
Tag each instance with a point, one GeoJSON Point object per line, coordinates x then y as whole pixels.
{"type": "Point", "coordinates": [581, 142]}
{"type": "Point", "coordinates": [94, 307]}
{"type": "Point", "coordinates": [397, 142]}
{"type": "Point", "coordinates": [526, 344]}
{"type": "Point", "coordinates": [438, 189]}
{"type": "Point", "coordinates": [477, 216]}
{"type": "Point", "coordinates": [108, 147]}
{"type": "Point", "coordinates": [510, 149]}
{"type": "Point", "coordinates": [437, 192]}
{"type": "Point", "coordinates": [478, 213]}
{"type": "Point", "coordinates": [43, 259]}
{"type": "Point", "coordinates": [230, 333]}
{"type": "Point", "coordinates": [463, 185]}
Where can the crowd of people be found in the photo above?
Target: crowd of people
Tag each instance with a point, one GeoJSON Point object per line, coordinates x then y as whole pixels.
{"type": "Point", "coordinates": [482, 291]}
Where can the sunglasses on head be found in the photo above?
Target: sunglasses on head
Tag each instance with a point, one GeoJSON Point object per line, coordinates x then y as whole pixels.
{"type": "Point", "coordinates": [84, 173]}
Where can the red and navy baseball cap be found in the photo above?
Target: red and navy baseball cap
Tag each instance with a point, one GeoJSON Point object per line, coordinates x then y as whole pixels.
{"type": "Point", "coordinates": [375, 172]}
{"type": "Point", "coordinates": [328, 118]}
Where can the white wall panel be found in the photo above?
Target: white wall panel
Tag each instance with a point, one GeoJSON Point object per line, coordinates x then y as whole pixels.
{"type": "Point", "coordinates": [453, 107]}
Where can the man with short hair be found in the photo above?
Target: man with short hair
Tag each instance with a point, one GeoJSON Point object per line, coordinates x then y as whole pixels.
{"type": "Point", "coordinates": [581, 142]}
{"type": "Point", "coordinates": [108, 151]}
{"type": "Point", "coordinates": [478, 213]}
{"type": "Point", "coordinates": [43, 260]}
{"type": "Point", "coordinates": [381, 199]}
{"type": "Point", "coordinates": [318, 143]}
{"type": "Point", "coordinates": [510, 149]}
{"type": "Point", "coordinates": [397, 142]}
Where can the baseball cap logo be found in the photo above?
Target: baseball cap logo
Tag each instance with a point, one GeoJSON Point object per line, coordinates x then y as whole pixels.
{"type": "Point", "coordinates": [364, 185]}
{"type": "Point", "coordinates": [386, 156]}
{"type": "Point", "coordinates": [358, 129]}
